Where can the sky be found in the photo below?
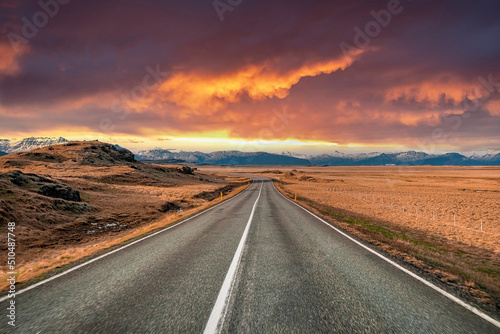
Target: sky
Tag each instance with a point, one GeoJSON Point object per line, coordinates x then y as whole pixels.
{"type": "Point", "coordinates": [252, 75]}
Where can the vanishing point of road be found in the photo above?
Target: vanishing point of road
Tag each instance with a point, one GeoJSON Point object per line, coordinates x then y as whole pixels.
{"type": "Point", "coordinates": [257, 263]}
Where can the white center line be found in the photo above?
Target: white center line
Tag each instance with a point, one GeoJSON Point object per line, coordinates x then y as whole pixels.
{"type": "Point", "coordinates": [216, 319]}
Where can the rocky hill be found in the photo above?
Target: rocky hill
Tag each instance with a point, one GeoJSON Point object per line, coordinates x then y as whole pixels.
{"type": "Point", "coordinates": [91, 153]}
{"type": "Point", "coordinates": [65, 195]}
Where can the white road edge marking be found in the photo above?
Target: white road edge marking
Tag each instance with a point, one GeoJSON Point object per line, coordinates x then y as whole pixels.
{"type": "Point", "coordinates": [441, 291]}
{"type": "Point", "coordinates": [216, 319]}
{"type": "Point", "coordinates": [118, 249]}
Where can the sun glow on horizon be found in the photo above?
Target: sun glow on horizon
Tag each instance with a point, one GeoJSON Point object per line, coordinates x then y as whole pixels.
{"type": "Point", "coordinates": [221, 141]}
{"type": "Point", "coordinates": [255, 141]}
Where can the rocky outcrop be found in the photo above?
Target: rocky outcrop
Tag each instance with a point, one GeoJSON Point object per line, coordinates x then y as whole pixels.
{"type": "Point", "coordinates": [60, 191]}
{"type": "Point", "coordinates": [105, 155]}
{"type": "Point", "coordinates": [42, 185]}
{"type": "Point", "coordinates": [73, 207]}
{"type": "Point", "coordinates": [186, 170]}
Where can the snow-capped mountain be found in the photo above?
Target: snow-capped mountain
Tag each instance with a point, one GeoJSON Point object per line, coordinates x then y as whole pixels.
{"type": "Point", "coordinates": [335, 158]}
{"type": "Point", "coordinates": [295, 155]}
{"type": "Point", "coordinates": [486, 157]}
{"type": "Point", "coordinates": [162, 154]}
{"type": "Point", "coordinates": [493, 158]}
{"type": "Point", "coordinates": [341, 157]}
{"type": "Point", "coordinates": [411, 156]}
{"type": "Point", "coordinates": [4, 145]}
{"type": "Point", "coordinates": [28, 144]}
{"type": "Point", "coordinates": [222, 157]}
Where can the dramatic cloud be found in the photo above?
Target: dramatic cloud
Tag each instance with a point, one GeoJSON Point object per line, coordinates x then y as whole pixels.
{"type": "Point", "coordinates": [416, 73]}
{"type": "Point", "coordinates": [258, 82]}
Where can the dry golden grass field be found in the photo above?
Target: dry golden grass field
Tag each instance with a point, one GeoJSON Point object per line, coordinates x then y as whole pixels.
{"type": "Point", "coordinates": [449, 202]}
{"type": "Point", "coordinates": [428, 216]}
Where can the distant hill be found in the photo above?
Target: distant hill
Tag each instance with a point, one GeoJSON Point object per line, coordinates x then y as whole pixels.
{"type": "Point", "coordinates": [2, 153]}
{"type": "Point", "coordinates": [165, 162]}
{"type": "Point", "coordinates": [90, 153]}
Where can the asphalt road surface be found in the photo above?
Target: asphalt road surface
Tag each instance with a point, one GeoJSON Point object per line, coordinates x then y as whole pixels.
{"type": "Point", "coordinates": [257, 263]}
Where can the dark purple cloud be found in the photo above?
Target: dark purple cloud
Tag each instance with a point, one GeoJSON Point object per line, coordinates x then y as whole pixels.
{"type": "Point", "coordinates": [418, 68]}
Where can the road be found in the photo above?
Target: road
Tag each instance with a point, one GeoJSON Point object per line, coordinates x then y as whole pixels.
{"type": "Point", "coordinates": [257, 263]}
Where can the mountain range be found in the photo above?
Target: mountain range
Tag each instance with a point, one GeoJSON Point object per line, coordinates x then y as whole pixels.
{"type": "Point", "coordinates": [335, 158]}
{"type": "Point", "coordinates": [28, 144]}
{"type": "Point", "coordinates": [404, 158]}
{"type": "Point", "coordinates": [222, 157]}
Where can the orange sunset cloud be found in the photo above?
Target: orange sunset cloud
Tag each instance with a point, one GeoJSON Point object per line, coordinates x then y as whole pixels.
{"type": "Point", "coordinates": [259, 82]}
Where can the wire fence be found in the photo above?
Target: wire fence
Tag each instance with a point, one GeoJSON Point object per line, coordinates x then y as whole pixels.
{"type": "Point", "coordinates": [412, 210]}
